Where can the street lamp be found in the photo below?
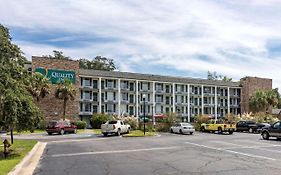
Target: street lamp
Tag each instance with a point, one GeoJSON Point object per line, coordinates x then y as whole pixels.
{"type": "Point", "coordinates": [143, 98]}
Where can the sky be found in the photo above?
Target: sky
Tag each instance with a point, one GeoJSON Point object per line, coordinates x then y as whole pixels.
{"type": "Point", "coordinates": [167, 37]}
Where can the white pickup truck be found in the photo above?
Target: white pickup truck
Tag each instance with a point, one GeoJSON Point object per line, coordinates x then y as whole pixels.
{"type": "Point", "coordinates": [116, 127]}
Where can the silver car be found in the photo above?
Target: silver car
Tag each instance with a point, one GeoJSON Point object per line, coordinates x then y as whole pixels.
{"type": "Point", "coordinates": [182, 128]}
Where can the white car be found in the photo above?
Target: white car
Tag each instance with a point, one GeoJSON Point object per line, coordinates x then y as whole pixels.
{"type": "Point", "coordinates": [182, 128]}
{"type": "Point", "coordinates": [116, 127]}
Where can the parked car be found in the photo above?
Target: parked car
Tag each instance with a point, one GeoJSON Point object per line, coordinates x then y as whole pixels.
{"type": "Point", "coordinates": [217, 125]}
{"type": "Point", "coordinates": [182, 128]}
{"type": "Point", "coordinates": [61, 127]}
{"type": "Point", "coordinates": [250, 126]}
{"type": "Point", "coordinates": [273, 130]}
{"type": "Point", "coordinates": [261, 126]}
{"type": "Point", "coordinates": [116, 127]}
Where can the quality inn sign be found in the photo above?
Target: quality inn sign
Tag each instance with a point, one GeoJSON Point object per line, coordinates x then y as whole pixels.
{"type": "Point", "coordinates": [56, 76]}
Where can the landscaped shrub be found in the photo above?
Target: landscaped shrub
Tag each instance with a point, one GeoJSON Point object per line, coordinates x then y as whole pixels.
{"type": "Point", "coordinates": [99, 119]}
{"type": "Point", "coordinates": [42, 124]}
{"type": "Point", "coordinates": [148, 127]}
{"type": "Point", "coordinates": [163, 127]}
{"type": "Point", "coordinates": [81, 124]}
{"type": "Point", "coordinates": [132, 121]}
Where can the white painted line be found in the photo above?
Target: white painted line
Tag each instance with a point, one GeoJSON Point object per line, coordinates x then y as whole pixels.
{"type": "Point", "coordinates": [114, 152]}
{"type": "Point", "coordinates": [254, 147]}
{"type": "Point", "coordinates": [77, 140]}
{"type": "Point", "coordinates": [230, 151]}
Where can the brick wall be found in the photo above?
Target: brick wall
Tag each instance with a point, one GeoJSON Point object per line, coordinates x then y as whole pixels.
{"type": "Point", "coordinates": [249, 86]}
{"type": "Point", "coordinates": [52, 107]}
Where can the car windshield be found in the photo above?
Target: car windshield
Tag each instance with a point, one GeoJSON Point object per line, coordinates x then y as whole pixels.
{"type": "Point", "coordinates": [52, 123]}
{"type": "Point", "coordinates": [112, 122]}
{"type": "Point", "coordinates": [185, 124]}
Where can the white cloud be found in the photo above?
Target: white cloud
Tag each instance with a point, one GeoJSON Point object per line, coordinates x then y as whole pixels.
{"type": "Point", "coordinates": [233, 35]}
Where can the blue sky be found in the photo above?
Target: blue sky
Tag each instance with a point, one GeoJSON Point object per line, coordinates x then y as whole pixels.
{"type": "Point", "coordinates": [169, 37]}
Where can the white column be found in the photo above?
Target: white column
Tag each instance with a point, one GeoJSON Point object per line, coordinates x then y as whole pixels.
{"type": "Point", "coordinates": [174, 99]}
{"type": "Point", "coordinates": [188, 103]}
{"type": "Point", "coordinates": [216, 103]}
{"type": "Point", "coordinates": [100, 102]}
{"type": "Point", "coordinates": [137, 98]}
{"type": "Point", "coordinates": [202, 91]}
{"type": "Point", "coordinates": [228, 101]}
{"type": "Point", "coordinates": [119, 97]}
{"type": "Point", "coordinates": [153, 102]}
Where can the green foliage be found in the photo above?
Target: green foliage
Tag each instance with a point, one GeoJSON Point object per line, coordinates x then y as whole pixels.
{"type": "Point", "coordinates": [81, 124]}
{"type": "Point", "coordinates": [17, 109]}
{"type": "Point", "coordinates": [98, 63]}
{"type": "Point", "coordinates": [148, 127]}
{"type": "Point", "coordinates": [167, 122]}
{"type": "Point", "coordinates": [262, 101]}
{"type": "Point", "coordinates": [38, 85]}
{"type": "Point", "coordinates": [99, 119]}
{"type": "Point", "coordinates": [65, 91]}
{"type": "Point", "coordinates": [215, 76]}
{"type": "Point", "coordinates": [42, 124]}
{"type": "Point", "coordinates": [58, 55]}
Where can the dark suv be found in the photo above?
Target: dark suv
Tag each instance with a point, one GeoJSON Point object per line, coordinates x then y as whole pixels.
{"type": "Point", "coordinates": [273, 130]}
{"type": "Point", "coordinates": [60, 127]}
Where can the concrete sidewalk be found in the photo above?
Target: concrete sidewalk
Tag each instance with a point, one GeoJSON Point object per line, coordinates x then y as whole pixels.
{"type": "Point", "coordinates": [30, 161]}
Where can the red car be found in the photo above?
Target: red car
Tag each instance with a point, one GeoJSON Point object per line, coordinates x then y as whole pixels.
{"type": "Point", "coordinates": [61, 127]}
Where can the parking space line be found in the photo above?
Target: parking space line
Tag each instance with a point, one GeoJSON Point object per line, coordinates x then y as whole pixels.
{"type": "Point", "coordinates": [230, 151]}
{"type": "Point", "coordinates": [77, 140]}
{"type": "Point", "coordinates": [114, 152]}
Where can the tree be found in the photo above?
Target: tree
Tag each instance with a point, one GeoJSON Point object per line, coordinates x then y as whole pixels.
{"type": "Point", "coordinates": [215, 76]}
{"type": "Point", "coordinates": [17, 109]}
{"type": "Point", "coordinates": [262, 101]}
{"type": "Point", "coordinates": [38, 86]}
{"type": "Point", "coordinates": [98, 63]}
{"type": "Point", "coordinates": [58, 55]}
{"type": "Point", "coordinates": [65, 91]}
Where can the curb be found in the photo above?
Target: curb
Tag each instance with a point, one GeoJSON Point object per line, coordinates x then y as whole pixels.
{"type": "Point", "coordinates": [30, 161]}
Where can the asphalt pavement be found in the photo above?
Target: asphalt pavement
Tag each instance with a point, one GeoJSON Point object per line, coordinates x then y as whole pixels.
{"type": "Point", "coordinates": [201, 153]}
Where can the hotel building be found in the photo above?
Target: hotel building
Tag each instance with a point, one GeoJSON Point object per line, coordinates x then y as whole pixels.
{"type": "Point", "coordinates": [121, 93]}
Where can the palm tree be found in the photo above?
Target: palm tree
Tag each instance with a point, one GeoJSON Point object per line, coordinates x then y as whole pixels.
{"type": "Point", "coordinates": [258, 101]}
{"type": "Point", "coordinates": [65, 91]}
{"type": "Point", "coordinates": [272, 98]}
{"type": "Point", "coordinates": [38, 86]}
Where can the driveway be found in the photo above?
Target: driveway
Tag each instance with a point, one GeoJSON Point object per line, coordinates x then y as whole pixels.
{"type": "Point", "coordinates": [201, 153]}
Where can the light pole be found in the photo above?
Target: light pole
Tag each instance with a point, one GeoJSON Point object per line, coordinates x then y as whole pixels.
{"type": "Point", "coordinates": [143, 98]}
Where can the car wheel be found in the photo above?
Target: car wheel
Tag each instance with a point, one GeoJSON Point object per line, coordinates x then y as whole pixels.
{"type": "Point", "coordinates": [230, 132]}
{"type": "Point", "coordinates": [191, 133]}
{"type": "Point", "coordinates": [105, 134]}
{"type": "Point", "coordinates": [118, 132]}
{"type": "Point", "coordinates": [61, 132]}
{"type": "Point", "coordinates": [265, 135]}
{"type": "Point", "coordinates": [49, 133]}
{"type": "Point", "coordinates": [251, 130]}
{"type": "Point", "coordinates": [219, 130]}
{"type": "Point", "coordinates": [172, 131]}
{"type": "Point", "coordinates": [181, 131]}
{"type": "Point", "coordinates": [202, 129]}
{"type": "Point", "coordinates": [128, 131]}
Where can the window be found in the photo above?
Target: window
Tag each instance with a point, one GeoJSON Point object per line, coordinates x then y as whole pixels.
{"type": "Point", "coordinates": [95, 109]}
{"type": "Point", "coordinates": [109, 84]}
{"type": "Point", "coordinates": [87, 82]}
{"type": "Point", "coordinates": [276, 125]}
{"type": "Point", "coordinates": [110, 108]}
{"type": "Point", "coordinates": [87, 95]}
{"type": "Point", "coordinates": [109, 96]}
{"type": "Point", "coordinates": [125, 96]}
{"type": "Point", "coordinates": [95, 96]}
{"type": "Point", "coordinates": [87, 107]}
{"type": "Point", "coordinates": [95, 84]}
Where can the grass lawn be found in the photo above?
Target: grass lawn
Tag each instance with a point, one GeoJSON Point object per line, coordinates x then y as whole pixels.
{"type": "Point", "coordinates": [139, 133]}
{"type": "Point", "coordinates": [18, 150]}
{"type": "Point", "coordinates": [97, 131]}
{"type": "Point", "coordinates": [27, 132]}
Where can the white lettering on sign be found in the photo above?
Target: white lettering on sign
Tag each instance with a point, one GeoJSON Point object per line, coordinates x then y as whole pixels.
{"type": "Point", "coordinates": [62, 75]}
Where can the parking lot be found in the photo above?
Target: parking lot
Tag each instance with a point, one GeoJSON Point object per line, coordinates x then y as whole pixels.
{"type": "Point", "coordinates": [201, 153]}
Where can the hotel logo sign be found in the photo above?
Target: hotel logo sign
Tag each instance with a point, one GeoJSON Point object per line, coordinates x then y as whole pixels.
{"type": "Point", "coordinates": [56, 76]}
